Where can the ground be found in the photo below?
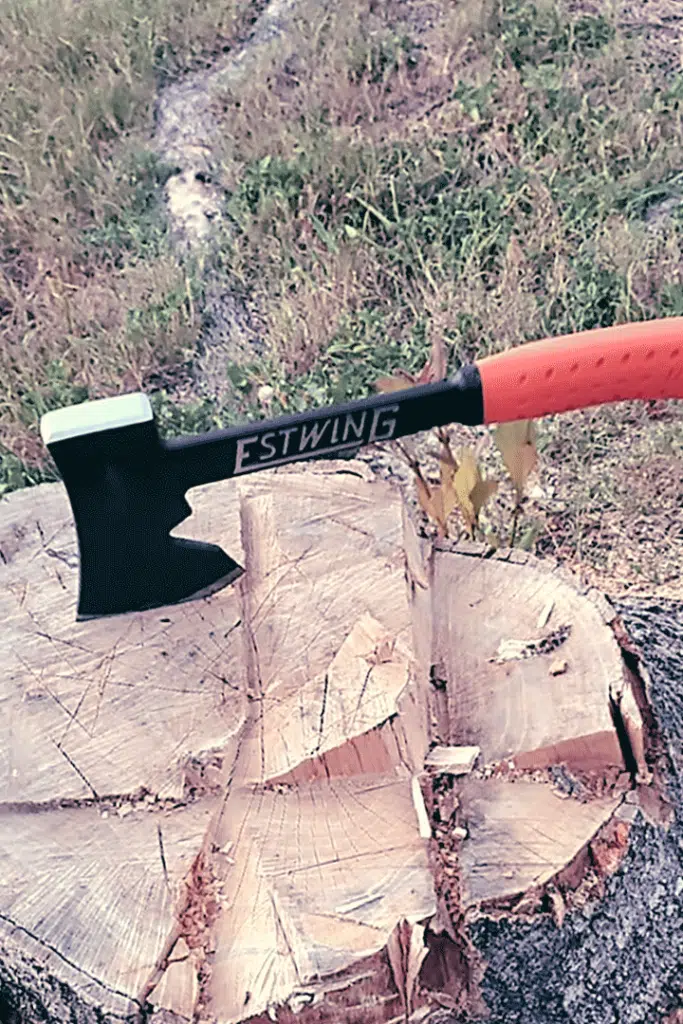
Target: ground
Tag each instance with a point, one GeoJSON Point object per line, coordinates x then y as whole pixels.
{"type": "Point", "coordinates": [486, 172]}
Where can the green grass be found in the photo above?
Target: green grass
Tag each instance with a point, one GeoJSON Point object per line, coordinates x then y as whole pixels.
{"type": "Point", "coordinates": [491, 178]}
{"type": "Point", "coordinates": [535, 200]}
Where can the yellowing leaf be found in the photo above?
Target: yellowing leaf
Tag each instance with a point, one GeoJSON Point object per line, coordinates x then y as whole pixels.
{"type": "Point", "coordinates": [431, 501]}
{"type": "Point", "coordinates": [449, 500]}
{"type": "Point", "coordinates": [448, 467]}
{"type": "Point", "coordinates": [481, 492]}
{"type": "Point", "coordinates": [447, 462]}
{"type": "Point", "coordinates": [517, 444]}
{"type": "Point", "coordinates": [461, 484]}
{"type": "Point", "coordinates": [464, 482]}
{"type": "Point", "coordinates": [443, 506]}
{"type": "Point", "coordinates": [424, 496]}
{"type": "Point", "coordinates": [399, 381]}
{"type": "Point", "coordinates": [471, 489]}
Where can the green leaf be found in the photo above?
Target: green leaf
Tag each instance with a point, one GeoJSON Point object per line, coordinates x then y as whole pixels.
{"type": "Point", "coordinates": [528, 538]}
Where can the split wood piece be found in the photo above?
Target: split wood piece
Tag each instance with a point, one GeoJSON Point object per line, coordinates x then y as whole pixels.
{"type": "Point", "coordinates": [488, 630]}
{"type": "Point", "coordinates": [89, 899]}
{"type": "Point", "coordinates": [493, 661]}
{"type": "Point", "coordinates": [115, 705]}
{"type": "Point", "coordinates": [452, 760]}
{"type": "Point", "coordinates": [328, 630]}
{"type": "Point", "coordinates": [106, 726]}
{"type": "Point", "coordinates": [319, 876]}
{"type": "Point", "coordinates": [324, 854]}
{"type": "Point", "coordinates": [520, 836]}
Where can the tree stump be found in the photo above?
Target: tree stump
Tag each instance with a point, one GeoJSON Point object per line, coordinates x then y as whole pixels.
{"type": "Point", "coordinates": [376, 780]}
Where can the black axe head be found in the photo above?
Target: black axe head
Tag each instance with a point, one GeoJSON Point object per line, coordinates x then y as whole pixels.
{"type": "Point", "coordinates": [126, 496]}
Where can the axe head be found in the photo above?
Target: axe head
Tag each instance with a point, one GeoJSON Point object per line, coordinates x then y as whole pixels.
{"type": "Point", "coordinates": [126, 496]}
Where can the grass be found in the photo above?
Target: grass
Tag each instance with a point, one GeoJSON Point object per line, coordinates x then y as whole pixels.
{"type": "Point", "coordinates": [92, 298]}
{"type": "Point", "coordinates": [491, 171]}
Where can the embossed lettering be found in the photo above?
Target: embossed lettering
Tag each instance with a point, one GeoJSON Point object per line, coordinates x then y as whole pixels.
{"type": "Point", "coordinates": [314, 436]}
{"type": "Point", "coordinates": [242, 455]}
{"type": "Point", "coordinates": [351, 425]}
{"type": "Point", "coordinates": [266, 442]}
{"type": "Point", "coordinates": [286, 433]}
{"type": "Point", "coordinates": [386, 425]}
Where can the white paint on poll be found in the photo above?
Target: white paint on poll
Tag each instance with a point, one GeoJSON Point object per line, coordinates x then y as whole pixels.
{"type": "Point", "coordinates": [92, 417]}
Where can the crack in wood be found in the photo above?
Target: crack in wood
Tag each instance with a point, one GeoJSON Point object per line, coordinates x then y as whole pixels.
{"type": "Point", "coordinates": [323, 708]}
{"type": "Point", "coordinates": [104, 802]}
{"type": "Point", "coordinates": [630, 762]}
{"type": "Point", "coordinates": [162, 855]}
{"type": "Point", "coordinates": [78, 771]}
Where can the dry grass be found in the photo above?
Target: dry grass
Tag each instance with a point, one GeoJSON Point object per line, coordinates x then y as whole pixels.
{"type": "Point", "coordinates": [91, 300]}
{"type": "Point", "coordinates": [490, 170]}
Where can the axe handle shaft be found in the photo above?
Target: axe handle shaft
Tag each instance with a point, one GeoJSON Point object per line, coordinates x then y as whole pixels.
{"type": "Point", "coordinates": [632, 361]}
{"type": "Point", "coordinates": [332, 432]}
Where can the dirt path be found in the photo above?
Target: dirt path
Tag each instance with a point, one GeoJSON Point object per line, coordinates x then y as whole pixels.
{"type": "Point", "coordinates": [188, 121]}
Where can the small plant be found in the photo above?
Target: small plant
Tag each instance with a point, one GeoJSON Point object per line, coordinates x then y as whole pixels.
{"type": "Point", "coordinates": [462, 484]}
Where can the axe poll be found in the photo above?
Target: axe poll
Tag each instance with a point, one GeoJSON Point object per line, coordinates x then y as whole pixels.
{"type": "Point", "coordinates": [127, 486]}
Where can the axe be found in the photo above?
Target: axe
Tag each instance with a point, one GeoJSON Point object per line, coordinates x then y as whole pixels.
{"type": "Point", "coordinates": [127, 486]}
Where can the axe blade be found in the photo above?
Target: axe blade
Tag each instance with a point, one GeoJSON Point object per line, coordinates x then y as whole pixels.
{"type": "Point", "coordinates": [126, 498]}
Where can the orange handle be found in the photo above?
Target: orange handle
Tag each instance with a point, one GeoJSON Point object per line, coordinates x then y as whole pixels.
{"type": "Point", "coordinates": [611, 364]}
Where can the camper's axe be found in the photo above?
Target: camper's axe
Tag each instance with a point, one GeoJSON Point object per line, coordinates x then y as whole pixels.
{"type": "Point", "coordinates": [127, 486]}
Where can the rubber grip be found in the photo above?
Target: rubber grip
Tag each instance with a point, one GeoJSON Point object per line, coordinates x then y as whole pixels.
{"type": "Point", "coordinates": [575, 371]}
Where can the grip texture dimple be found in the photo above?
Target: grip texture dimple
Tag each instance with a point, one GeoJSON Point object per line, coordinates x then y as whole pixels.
{"type": "Point", "coordinates": [610, 364]}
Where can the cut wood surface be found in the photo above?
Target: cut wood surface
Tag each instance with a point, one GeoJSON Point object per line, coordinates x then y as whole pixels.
{"type": "Point", "coordinates": [519, 838]}
{"type": "Point", "coordinates": [227, 809]}
{"type": "Point", "coordinates": [502, 695]}
{"type": "Point", "coordinates": [111, 705]}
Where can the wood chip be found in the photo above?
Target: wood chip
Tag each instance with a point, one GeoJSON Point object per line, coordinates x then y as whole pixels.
{"type": "Point", "coordinates": [517, 650]}
{"type": "Point", "coordinates": [557, 905]}
{"type": "Point", "coordinates": [452, 760]}
{"type": "Point", "coordinates": [420, 809]}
